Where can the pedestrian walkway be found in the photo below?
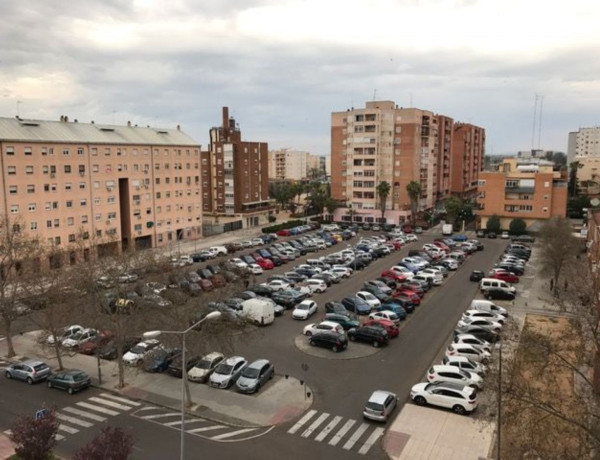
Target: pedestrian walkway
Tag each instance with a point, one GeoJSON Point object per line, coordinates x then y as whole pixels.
{"type": "Point", "coordinates": [337, 432]}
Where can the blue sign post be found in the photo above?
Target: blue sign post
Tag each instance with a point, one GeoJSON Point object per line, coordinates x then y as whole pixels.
{"type": "Point", "coordinates": [40, 414]}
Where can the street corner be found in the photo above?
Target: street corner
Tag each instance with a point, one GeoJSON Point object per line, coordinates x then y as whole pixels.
{"type": "Point", "coordinates": [354, 350]}
{"type": "Point", "coordinates": [394, 443]}
{"type": "Point", "coordinates": [131, 392]}
{"type": "Point", "coordinates": [287, 414]}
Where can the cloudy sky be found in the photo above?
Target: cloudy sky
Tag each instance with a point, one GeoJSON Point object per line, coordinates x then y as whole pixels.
{"type": "Point", "coordinates": [282, 66]}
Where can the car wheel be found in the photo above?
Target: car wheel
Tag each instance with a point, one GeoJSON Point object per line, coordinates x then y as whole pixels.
{"type": "Point", "coordinates": [29, 380]}
{"type": "Point", "coordinates": [49, 384]}
{"type": "Point", "coordinates": [308, 333]}
{"type": "Point", "coordinates": [352, 338]}
{"type": "Point", "coordinates": [375, 343]}
{"type": "Point", "coordinates": [70, 390]}
{"type": "Point", "coordinates": [334, 348]}
{"type": "Point", "coordinates": [420, 400]}
{"type": "Point", "coordinates": [8, 376]}
{"type": "Point", "coordinates": [458, 409]}
{"type": "Point", "coordinates": [312, 342]}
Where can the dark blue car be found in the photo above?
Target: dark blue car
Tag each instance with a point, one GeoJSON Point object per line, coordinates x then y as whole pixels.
{"type": "Point", "coordinates": [160, 359]}
{"type": "Point", "coordinates": [411, 267]}
{"type": "Point", "coordinates": [356, 305]}
{"type": "Point", "coordinates": [460, 237]}
{"type": "Point", "coordinates": [396, 308]}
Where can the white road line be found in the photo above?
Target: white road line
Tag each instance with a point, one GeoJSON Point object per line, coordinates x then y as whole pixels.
{"type": "Point", "coordinates": [82, 413]}
{"type": "Point", "coordinates": [110, 403]}
{"type": "Point", "coordinates": [155, 416]}
{"type": "Point", "coordinates": [178, 422]}
{"type": "Point", "coordinates": [97, 408]}
{"type": "Point", "coordinates": [67, 429]}
{"type": "Point", "coordinates": [123, 400]}
{"type": "Point", "coordinates": [325, 431]}
{"type": "Point", "coordinates": [233, 433]}
{"type": "Point", "coordinates": [315, 425]}
{"type": "Point", "coordinates": [59, 437]}
{"type": "Point", "coordinates": [73, 420]}
{"type": "Point", "coordinates": [355, 436]}
{"type": "Point", "coordinates": [302, 421]}
{"type": "Point", "coordinates": [372, 440]}
{"type": "Point", "coordinates": [7, 432]}
{"type": "Point", "coordinates": [146, 408]}
{"type": "Point", "coordinates": [340, 434]}
{"type": "Point", "coordinates": [205, 428]}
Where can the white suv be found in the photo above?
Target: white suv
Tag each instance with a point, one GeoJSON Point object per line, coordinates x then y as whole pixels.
{"type": "Point", "coordinates": [442, 373]}
{"type": "Point", "coordinates": [218, 250]}
{"type": "Point", "coordinates": [464, 363]}
{"type": "Point", "coordinates": [461, 399]}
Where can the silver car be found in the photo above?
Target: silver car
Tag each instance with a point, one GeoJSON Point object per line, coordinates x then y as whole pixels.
{"type": "Point", "coordinates": [255, 375]}
{"type": "Point", "coordinates": [30, 371]}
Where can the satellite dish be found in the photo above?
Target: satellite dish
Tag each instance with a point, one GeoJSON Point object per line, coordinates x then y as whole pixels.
{"type": "Point", "coordinates": [595, 202]}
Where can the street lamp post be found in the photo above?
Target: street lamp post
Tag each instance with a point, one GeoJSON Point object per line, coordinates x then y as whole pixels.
{"type": "Point", "coordinates": [153, 335]}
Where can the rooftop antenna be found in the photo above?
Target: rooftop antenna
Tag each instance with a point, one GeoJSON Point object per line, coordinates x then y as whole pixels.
{"type": "Point", "coordinates": [375, 94]}
{"type": "Point", "coordinates": [535, 103]}
{"type": "Point", "coordinates": [540, 122]}
{"type": "Point", "coordinates": [18, 111]}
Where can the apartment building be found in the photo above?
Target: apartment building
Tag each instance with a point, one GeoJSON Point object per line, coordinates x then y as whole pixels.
{"type": "Point", "coordinates": [468, 143]}
{"type": "Point", "coordinates": [296, 165]}
{"type": "Point", "coordinates": [235, 178]}
{"type": "Point", "coordinates": [398, 145]}
{"type": "Point", "coordinates": [584, 148]}
{"type": "Point", "coordinates": [119, 186]}
{"type": "Point", "coordinates": [522, 189]}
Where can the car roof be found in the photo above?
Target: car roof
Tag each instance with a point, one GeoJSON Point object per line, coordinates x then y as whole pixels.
{"type": "Point", "coordinates": [379, 396]}
{"type": "Point", "coordinates": [257, 364]}
{"type": "Point", "coordinates": [234, 359]}
{"type": "Point", "coordinates": [32, 362]}
{"type": "Point", "coordinates": [454, 386]}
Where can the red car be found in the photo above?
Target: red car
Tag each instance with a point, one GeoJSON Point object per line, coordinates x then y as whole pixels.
{"type": "Point", "coordinates": [407, 294]}
{"type": "Point", "coordinates": [397, 244]}
{"type": "Point", "coordinates": [284, 232]}
{"type": "Point", "coordinates": [90, 347]}
{"type": "Point", "coordinates": [388, 325]}
{"type": "Point", "coordinates": [411, 289]}
{"type": "Point", "coordinates": [442, 246]}
{"type": "Point", "coordinates": [393, 275]}
{"type": "Point", "coordinates": [506, 276]}
{"type": "Point", "coordinates": [265, 264]}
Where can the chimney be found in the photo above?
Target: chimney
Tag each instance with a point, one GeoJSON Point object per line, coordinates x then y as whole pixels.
{"type": "Point", "coordinates": [129, 124]}
{"type": "Point", "coordinates": [225, 117]}
{"type": "Point", "coordinates": [178, 128]}
{"type": "Point", "coordinates": [66, 119]}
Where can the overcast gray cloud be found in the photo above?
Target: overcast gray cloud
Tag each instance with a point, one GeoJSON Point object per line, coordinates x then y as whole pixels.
{"type": "Point", "coordinates": [283, 66]}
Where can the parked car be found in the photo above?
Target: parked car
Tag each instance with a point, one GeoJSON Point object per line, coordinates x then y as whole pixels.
{"type": "Point", "coordinates": [135, 356]}
{"type": "Point", "coordinates": [30, 371]}
{"type": "Point", "coordinates": [356, 305]}
{"type": "Point", "coordinates": [462, 362]}
{"type": "Point", "coordinates": [472, 352]}
{"type": "Point", "coordinates": [346, 321]}
{"type": "Point", "coordinates": [176, 366]}
{"type": "Point", "coordinates": [389, 326]}
{"type": "Point", "coordinates": [254, 376]}
{"type": "Point", "coordinates": [109, 351]}
{"type": "Point", "coordinates": [498, 294]}
{"type": "Point", "coordinates": [386, 315]}
{"type": "Point", "coordinates": [329, 339]}
{"type": "Point", "coordinates": [159, 359]}
{"type": "Point", "coordinates": [380, 406]}
{"type": "Point", "coordinates": [461, 399]}
{"type": "Point", "coordinates": [477, 275]}
{"type": "Point", "coordinates": [69, 380]}
{"type": "Point", "coordinates": [473, 340]}
{"type": "Point", "coordinates": [81, 337]}
{"type": "Point", "coordinates": [96, 343]}
{"type": "Point", "coordinates": [304, 309]}
{"type": "Point", "coordinates": [201, 371]}
{"type": "Point", "coordinates": [369, 298]}
{"type": "Point", "coordinates": [443, 373]}
{"type": "Point", "coordinates": [65, 333]}
{"type": "Point", "coordinates": [227, 372]}
{"type": "Point", "coordinates": [373, 335]}
{"type": "Point", "coordinates": [314, 328]}
{"type": "Point", "coordinates": [337, 308]}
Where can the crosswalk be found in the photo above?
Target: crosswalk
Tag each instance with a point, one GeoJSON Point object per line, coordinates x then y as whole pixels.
{"type": "Point", "coordinates": [198, 426]}
{"type": "Point", "coordinates": [346, 435]}
{"type": "Point", "coordinates": [86, 414]}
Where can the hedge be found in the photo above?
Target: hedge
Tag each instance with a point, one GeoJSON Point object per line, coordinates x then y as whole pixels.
{"type": "Point", "coordinates": [283, 226]}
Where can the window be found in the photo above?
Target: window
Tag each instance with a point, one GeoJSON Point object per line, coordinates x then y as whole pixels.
{"type": "Point", "coordinates": [83, 202]}
{"type": "Point", "coordinates": [69, 204]}
{"type": "Point", "coordinates": [98, 217]}
{"type": "Point", "coordinates": [97, 200]}
{"type": "Point", "coordinates": [70, 221]}
{"type": "Point", "coordinates": [33, 226]}
{"type": "Point", "coordinates": [81, 169]}
{"type": "Point", "coordinates": [14, 209]}
{"type": "Point", "coordinates": [13, 190]}
{"type": "Point", "coordinates": [95, 168]}
{"type": "Point", "coordinates": [71, 237]}
{"type": "Point", "coordinates": [45, 169]}
{"type": "Point", "coordinates": [31, 207]}
{"type": "Point", "coordinates": [56, 223]}
{"type": "Point", "coordinates": [84, 219]}
{"type": "Point", "coordinates": [79, 150]}
{"type": "Point", "coordinates": [12, 170]}
{"type": "Point", "coordinates": [10, 150]}
{"type": "Point", "coordinates": [81, 185]}
{"type": "Point", "coordinates": [28, 169]}
{"type": "Point", "coordinates": [68, 186]}
{"type": "Point", "coordinates": [66, 151]}
{"type": "Point", "coordinates": [110, 199]}
{"type": "Point", "coordinates": [30, 188]}
{"type": "Point", "coordinates": [48, 224]}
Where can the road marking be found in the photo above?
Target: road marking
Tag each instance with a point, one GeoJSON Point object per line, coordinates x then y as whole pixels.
{"type": "Point", "coordinates": [302, 421]}
{"type": "Point", "coordinates": [7, 432]}
{"type": "Point", "coordinates": [340, 434]}
{"type": "Point", "coordinates": [372, 440]}
{"type": "Point", "coordinates": [155, 416]}
{"type": "Point", "coordinates": [59, 437]}
{"type": "Point", "coordinates": [357, 434]}
{"type": "Point", "coordinates": [206, 428]}
{"type": "Point", "coordinates": [73, 420]}
{"type": "Point", "coordinates": [231, 434]}
{"type": "Point", "coordinates": [146, 408]}
{"type": "Point", "coordinates": [110, 403]}
{"type": "Point", "coordinates": [325, 431]}
{"type": "Point", "coordinates": [178, 422]}
{"type": "Point", "coordinates": [315, 425]}
{"type": "Point", "coordinates": [68, 429]}
{"type": "Point", "coordinates": [97, 408]}
{"type": "Point", "coordinates": [82, 413]}
{"type": "Point", "coordinates": [123, 400]}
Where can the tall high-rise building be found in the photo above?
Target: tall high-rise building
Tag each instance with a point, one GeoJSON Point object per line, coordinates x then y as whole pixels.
{"type": "Point", "coordinates": [296, 165]}
{"type": "Point", "coordinates": [382, 142]}
{"type": "Point", "coordinates": [584, 148]}
{"type": "Point", "coordinates": [468, 143]}
{"type": "Point", "coordinates": [235, 181]}
{"type": "Point", "coordinates": [116, 186]}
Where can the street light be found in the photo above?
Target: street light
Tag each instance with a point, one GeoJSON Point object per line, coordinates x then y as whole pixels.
{"type": "Point", "coordinates": [153, 335]}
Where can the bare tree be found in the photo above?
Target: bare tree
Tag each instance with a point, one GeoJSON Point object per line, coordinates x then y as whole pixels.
{"type": "Point", "coordinates": [558, 247]}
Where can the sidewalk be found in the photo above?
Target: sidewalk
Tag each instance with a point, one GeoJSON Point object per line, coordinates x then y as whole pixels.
{"type": "Point", "coordinates": [282, 400]}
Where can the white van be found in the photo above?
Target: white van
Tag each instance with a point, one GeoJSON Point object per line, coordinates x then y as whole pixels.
{"type": "Point", "coordinates": [488, 305]}
{"type": "Point", "coordinates": [330, 227]}
{"type": "Point", "coordinates": [487, 283]}
{"type": "Point", "coordinates": [259, 311]}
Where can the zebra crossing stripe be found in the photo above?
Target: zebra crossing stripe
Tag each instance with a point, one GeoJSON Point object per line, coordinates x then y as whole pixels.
{"type": "Point", "coordinates": [102, 410]}
{"type": "Point", "coordinates": [302, 421]}
{"type": "Point", "coordinates": [233, 433]}
{"type": "Point", "coordinates": [340, 434]}
{"type": "Point", "coordinates": [205, 428]}
{"type": "Point", "coordinates": [7, 432]}
{"type": "Point", "coordinates": [59, 437]}
{"type": "Point", "coordinates": [73, 420]}
{"type": "Point", "coordinates": [357, 434]}
{"type": "Point", "coordinates": [178, 422]}
{"type": "Point", "coordinates": [85, 414]}
{"type": "Point", "coordinates": [146, 408]}
{"type": "Point", "coordinates": [377, 433]}
{"type": "Point", "coordinates": [119, 399]}
{"type": "Point", "coordinates": [67, 429]}
{"type": "Point", "coordinates": [315, 425]}
{"type": "Point", "coordinates": [325, 431]}
{"type": "Point", "coordinates": [155, 416]}
{"type": "Point", "coordinates": [109, 403]}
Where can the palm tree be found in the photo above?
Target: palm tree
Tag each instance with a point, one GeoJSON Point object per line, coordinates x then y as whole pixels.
{"type": "Point", "coordinates": [383, 190]}
{"type": "Point", "coordinates": [414, 191]}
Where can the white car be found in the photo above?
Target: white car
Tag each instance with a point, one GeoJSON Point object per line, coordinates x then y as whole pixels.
{"type": "Point", "coordinates": [322, 326]}
{"type": "Point", "coordinates": [227, 372]}
{"type": "Point", "coordinates": [202, 370]}
{"type": "Point", "coordinates": [255, 269]}
{"type": "Point", "coordinates": [238, 262]}
{"type": "Point", "coordinates": [462, 362]}
{"type": "Point", "coordinates": [369, 298]}
{"type": "Point", "coordinates": [488, 305]}
{"type": "Point", "coordinates": [452, 264]}
{"type": "Point", "coordinates": [403, 271]}
{"type": "Point", "coordinates": [257, 242]}
{"type": "Point", "coordinates": [316, 285]}
{"type": "Point", "coordinates": [136, 355]}
{"type": "Point", "coordinates": [81, 337]}
{"type": "Point", "coordinates": [461, 399]}
{"type": "Point", "coordinates": [484, 323]}
{"type": "Point", "coordinates": [344, 272]}
{"type": "Point", "coordinates": [67, 332]}
{"type": "Point", "coordinates": [387, 315]}
{"type": "Point", "coordinates": [304, 309]}
{"type": "Point", "coordinates": [185, 260]}
{"type": "Point", "coordinates": [218, 250]}
{"type": "Point", "coordinates": [277, 285]}
{"type": "Point", "coordinates": [247, 244]}
{"type": "Point", "coordinates": [504, 235]}
{"type": "Point", "coordinates": [474, 314]}
{"type": "Point", "coordinates": [309, 267]}
{"type": "Point", "coordinates": [443, 373]}
{"type": "Point", "coordinates": [473, 340]}
{"type": "Point", "coordinates": [419, 263]}
{"type": "Point", "coordinates": [472, 352]}
{"type": "Point", "coordinates": [436, 279]}
{"type": "Point", "coordinates": [411, 237]}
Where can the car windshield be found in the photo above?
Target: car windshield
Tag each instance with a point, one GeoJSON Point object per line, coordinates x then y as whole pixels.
{"type": "Point", "coordinates": [40, 367]}
{"type": "Point", "coordinates": [302, 307]}
{"type": "Point", "coordinates": [77, 336]}
{"type": "Point", "coordinates": [79, 376]}
{"type": "Point", "coordinates": [204, 364]}
{"type": "Point", "coordinates": [138, 349]}
{"type": "Point", "coordinates": [251, 372]}
{"type": "Point", "coordinates": [224, 369]}
{"type": "Point", "coordinates": [374, 406]}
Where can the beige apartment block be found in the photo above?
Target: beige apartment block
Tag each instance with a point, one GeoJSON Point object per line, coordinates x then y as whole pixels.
{"type": "Point", "coordinates": [383, 142]}
{"type": "Point", "coordinates": [119, 186]}
{"type": "Point", "coordinates": [295, 165]}
{"type": "Point", "coordinates": [522, 188]}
